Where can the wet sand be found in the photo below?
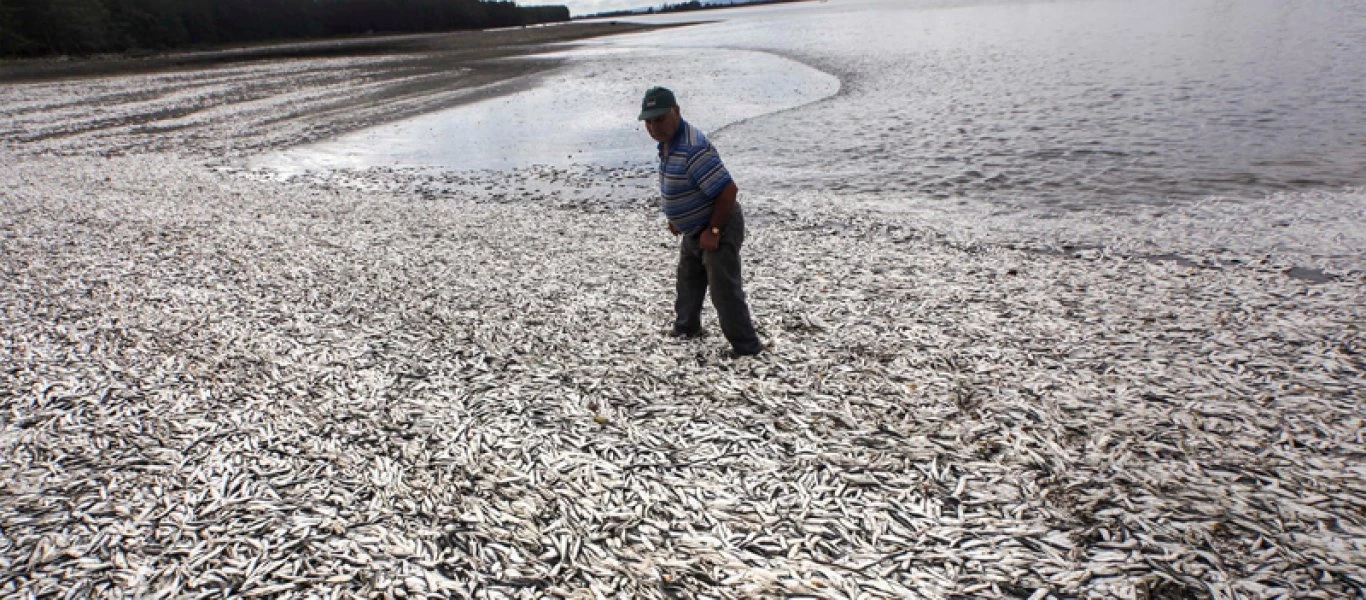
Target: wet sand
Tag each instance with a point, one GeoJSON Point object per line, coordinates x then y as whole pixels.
{"type": "Point", "coordinates": [278, 95]}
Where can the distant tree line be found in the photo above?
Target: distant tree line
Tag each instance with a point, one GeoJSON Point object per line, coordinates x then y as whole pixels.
{"type": "Point", "coordinates": [687, 6]}
{"type": "Point", "coordinates": [39, 27]}
{"type": "Point", "coordinates": [693, 5]}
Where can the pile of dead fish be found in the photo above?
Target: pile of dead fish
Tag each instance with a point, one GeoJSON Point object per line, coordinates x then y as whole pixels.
{"type": "Point", "coordinates": [213, 384]}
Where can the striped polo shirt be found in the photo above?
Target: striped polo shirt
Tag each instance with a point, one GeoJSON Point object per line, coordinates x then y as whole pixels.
{"type": "Point", "coordinates": [691, 176]}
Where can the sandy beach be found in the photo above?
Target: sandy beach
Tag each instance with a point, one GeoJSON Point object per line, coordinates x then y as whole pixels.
{"type": "Point", "coordinates": [227, 103]}
{"type": "Point", "coordinates": [400, 383]}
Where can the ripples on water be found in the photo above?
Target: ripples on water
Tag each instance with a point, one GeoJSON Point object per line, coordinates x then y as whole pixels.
{"type": "Point", "coordinates": [1063, 103]}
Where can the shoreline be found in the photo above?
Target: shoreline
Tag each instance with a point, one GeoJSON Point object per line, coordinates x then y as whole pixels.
{"type": "Point", "coordinates": [273, 96]}
{"type": "Point", "coordinates": [467, 45]}
{"type": "Point", "coordinates": [450, 384]}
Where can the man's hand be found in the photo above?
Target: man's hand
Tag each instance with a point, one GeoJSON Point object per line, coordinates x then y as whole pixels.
{"type": "Point", "coordinates": [672, 229]}
{"type": "Point", "coordinates": [709, 241]}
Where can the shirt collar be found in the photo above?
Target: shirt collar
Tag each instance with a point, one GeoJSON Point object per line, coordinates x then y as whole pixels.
{"type": "Point", "coordinates": [673, 143]}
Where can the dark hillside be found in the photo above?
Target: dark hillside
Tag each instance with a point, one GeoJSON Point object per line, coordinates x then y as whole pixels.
{"type": "Point", "coordinates": [46, 27]}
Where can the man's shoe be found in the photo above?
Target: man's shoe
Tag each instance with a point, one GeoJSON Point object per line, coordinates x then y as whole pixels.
{"type": "Point", "coordinates": [690, 335]}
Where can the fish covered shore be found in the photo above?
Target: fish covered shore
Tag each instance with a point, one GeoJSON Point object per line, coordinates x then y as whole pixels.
{"type": "Point", "coordinates": [215, 381]}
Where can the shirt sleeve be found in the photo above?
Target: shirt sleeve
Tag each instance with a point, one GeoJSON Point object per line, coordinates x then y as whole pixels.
{"type": "Point", "coordinates": [707, 172]}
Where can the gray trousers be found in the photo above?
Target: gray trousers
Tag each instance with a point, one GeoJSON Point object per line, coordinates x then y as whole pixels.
{"type": "Point", "coordinates": [720, 271]}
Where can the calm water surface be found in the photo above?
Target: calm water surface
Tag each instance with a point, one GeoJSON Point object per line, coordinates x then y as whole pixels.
{"type": "Point", "coordinates": [1054, 103]}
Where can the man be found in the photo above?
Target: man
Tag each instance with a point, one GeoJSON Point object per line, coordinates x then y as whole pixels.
{"type": "Point", "coordinates": [698, 197]}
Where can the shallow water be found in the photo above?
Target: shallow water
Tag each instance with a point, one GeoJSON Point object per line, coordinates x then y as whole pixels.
{"type": "Point", "coordinates": [1068, 104]}
{"type": "Point", "coordinates": [583, 113]}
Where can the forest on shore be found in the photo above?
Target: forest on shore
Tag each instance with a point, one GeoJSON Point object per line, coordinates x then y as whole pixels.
{"type": "Point", "coordinates": [30, 28]}
{"type": "Point", "coordinates": [689, 5]}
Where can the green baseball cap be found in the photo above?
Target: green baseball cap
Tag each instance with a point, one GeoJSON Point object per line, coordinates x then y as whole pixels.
{"type": "Point", "coordinates": [658, 101]}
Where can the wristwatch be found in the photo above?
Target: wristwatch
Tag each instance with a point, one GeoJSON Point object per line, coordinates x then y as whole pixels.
{"type": "Point", "coordinates": [716, 230]}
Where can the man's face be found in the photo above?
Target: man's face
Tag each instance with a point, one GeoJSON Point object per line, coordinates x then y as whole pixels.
{"type": "Point", "coordinates": [663, 127]}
